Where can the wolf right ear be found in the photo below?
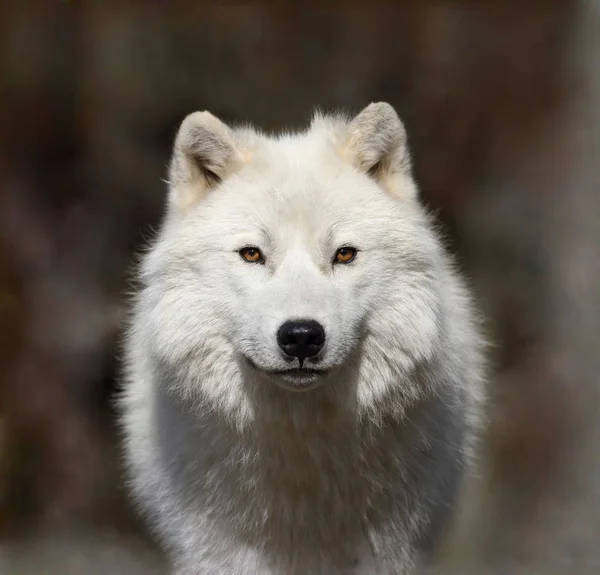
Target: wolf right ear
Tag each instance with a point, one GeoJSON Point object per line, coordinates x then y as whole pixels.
{"type": "Point", "coordinates": [376, 144]}
{"type": "Point", "coordinates": [204, 153]}
{"type": "Point", "coordinates": [377, 139]}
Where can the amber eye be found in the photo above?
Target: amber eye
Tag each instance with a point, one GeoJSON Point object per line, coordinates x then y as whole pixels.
{"type": "Point", "coordinates": [251, 255]}
{"type": "Point", "coordinates": [344, 255]}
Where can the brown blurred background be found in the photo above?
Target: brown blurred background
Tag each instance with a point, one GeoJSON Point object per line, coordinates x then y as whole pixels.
{"type": "Point", "coordinates": [501, 101]}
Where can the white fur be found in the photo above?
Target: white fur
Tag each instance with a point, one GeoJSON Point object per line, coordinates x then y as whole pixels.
{"type": "Point", "coordinates": [236, 472]}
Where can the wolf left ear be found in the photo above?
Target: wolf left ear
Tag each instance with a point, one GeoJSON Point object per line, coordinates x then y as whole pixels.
{"type": "Point", "coordinates": [204, 153]}
{"type": "Point", "coordinates": [377, 143]}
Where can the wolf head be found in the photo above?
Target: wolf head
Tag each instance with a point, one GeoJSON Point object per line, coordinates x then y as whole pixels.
{"type": "Point", "coordinates": [294, 259]}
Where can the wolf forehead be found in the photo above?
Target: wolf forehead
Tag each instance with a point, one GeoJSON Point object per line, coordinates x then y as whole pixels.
{"type": "Point", "coordinates": [208, 153]}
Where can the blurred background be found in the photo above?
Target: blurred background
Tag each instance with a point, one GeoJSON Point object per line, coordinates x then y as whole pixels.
{"type": "Point", "coordinates": [502, 105]}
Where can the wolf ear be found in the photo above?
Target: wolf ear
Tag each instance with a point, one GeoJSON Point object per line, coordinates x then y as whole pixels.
{"type": "Point", "coordinates": [204, 153]}
{"type": "Point", "coordinates": [376, 143]}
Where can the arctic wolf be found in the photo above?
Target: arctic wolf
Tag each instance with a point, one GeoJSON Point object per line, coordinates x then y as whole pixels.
{"type": "Point", "coordinates": [303, 364]}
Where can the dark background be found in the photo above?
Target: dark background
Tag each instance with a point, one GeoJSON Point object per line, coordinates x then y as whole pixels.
{"type": "Point", "coordinates": [501, 103]}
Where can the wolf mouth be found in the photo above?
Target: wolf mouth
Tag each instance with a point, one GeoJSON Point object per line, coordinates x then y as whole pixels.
{"type": "Point", "coordinates": [300, 372]}
{"type": "Point", "coordinates": [294, 373]}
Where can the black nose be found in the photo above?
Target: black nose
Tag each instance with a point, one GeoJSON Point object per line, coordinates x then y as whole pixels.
{"type": "Point", "coordinates": [301, 338]}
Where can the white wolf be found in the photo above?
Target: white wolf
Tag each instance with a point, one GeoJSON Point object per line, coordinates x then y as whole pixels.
{"type": "Point", "coordinates": [303, 365]}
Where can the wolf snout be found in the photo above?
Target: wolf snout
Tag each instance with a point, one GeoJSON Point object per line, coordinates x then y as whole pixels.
{"type": "Point", "coordinates": [301, 338]}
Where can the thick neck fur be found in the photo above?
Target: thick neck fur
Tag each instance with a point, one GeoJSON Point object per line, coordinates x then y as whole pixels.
{"type": "Point", "coordinates": [288, 477]}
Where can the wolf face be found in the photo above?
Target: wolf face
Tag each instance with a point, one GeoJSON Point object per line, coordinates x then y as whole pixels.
{"type": "Point", "coordinates": [295, 260]}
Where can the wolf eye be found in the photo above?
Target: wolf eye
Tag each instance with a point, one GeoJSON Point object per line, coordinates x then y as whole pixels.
{"type": "Point", "coordinates": [344, 255]}
{"type": "Point", "coordinates": [252, 255]}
